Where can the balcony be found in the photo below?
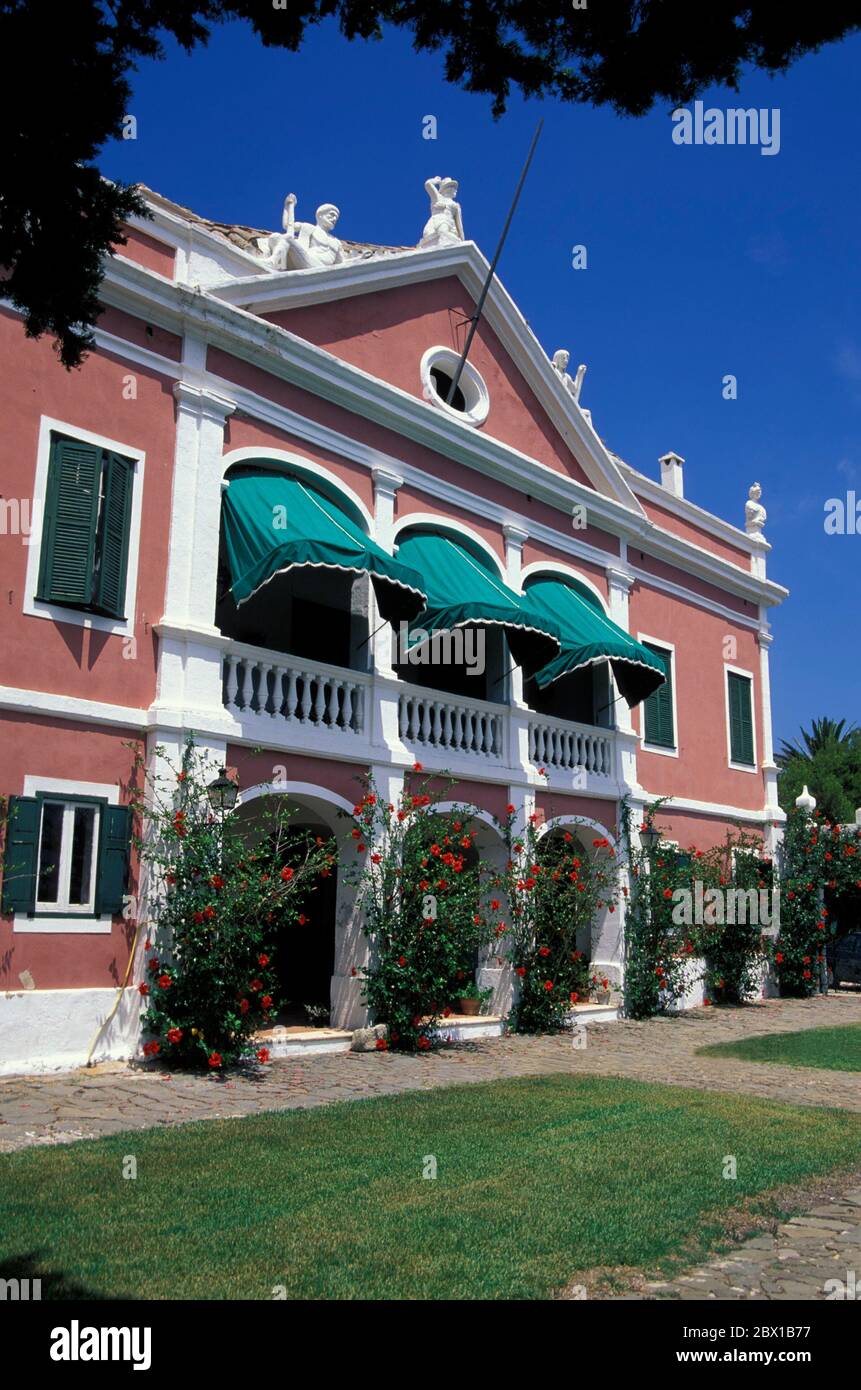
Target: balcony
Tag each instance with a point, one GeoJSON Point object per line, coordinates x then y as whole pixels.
{"type": "Point", "coordinates": [308, 706]}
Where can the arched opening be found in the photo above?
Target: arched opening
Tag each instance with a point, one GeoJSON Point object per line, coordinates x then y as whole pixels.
{"type": "Point", "coordinates": [309, 946]}
{"type": "Point", "coordinates": [584, 696]}
{"type": "Point", "coordinates": [316, 613]}
{"type": "Point", "coordinates": [843, 953]}
{"type": "Point", "coordinates": [467, 659]}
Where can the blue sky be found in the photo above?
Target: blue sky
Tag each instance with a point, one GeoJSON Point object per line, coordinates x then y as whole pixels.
{"type": "Point", "coordinates": [702, 261]}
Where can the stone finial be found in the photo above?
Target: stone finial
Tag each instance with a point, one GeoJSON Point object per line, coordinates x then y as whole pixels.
{"type": "Point", "coordinates": [672, 473]}
{"type": "Point", "coordinates": [858, 816]}
{"type": "Point", "coordinates": [444, 227]}
{"type": "Point", "coordinates": [754, 513]}
{"type": "Point", "coordinates": [805, 802]}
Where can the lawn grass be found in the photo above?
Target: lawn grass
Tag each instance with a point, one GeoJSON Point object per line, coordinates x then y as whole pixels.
{"type": "Point", "coordinates": [537, 1178]}
{"type": "Point", "coordinates": [833, 1049]}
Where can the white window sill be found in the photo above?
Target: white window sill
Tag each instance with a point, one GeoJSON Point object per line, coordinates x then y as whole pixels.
{"type": "Point", "coordinates": [81, 925]}
{"type": "Point", "coordinates": [659, 748]}
{"type": "Point", "coordinates": [743, 767]}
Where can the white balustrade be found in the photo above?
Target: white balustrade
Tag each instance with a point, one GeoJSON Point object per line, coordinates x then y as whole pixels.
{"type": "Point", "coordinates": [437, 721]}
{"type": "Point", "coordinates": [292, 692]}
{"type": "Point", "coordinates": [571, 747]}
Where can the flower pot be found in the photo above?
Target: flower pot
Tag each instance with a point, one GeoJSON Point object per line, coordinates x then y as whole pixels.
{"type": "Point", "coordinates": [601, 996]}
{"type": "Point", "coordinates": [469, 1006]}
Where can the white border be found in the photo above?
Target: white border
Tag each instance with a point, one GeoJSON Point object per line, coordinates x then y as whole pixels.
{"type": "Point", "coordinates": [447, 359]}
{"type": "Point", "coordinates": [740, 671]}
{"type": "Point", "coordinates": [554, 569]}
{"type": "Point", "coordinates": [655, 747]}
{"type": "Point", "coordinates": [79, 926]}
{"type": "Point", "coordinates": [37, 608]}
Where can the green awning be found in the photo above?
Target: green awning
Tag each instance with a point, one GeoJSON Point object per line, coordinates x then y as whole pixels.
{"type": "Point", "coordinates": [588, 636]}
{"type": "Point", "coordinates": [463, 591]}
{"type": "Point", "coordinates": [274, 523]}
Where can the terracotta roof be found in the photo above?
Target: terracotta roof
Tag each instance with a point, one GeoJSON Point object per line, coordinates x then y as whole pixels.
{"type": "Point", "coordinates": [246, 237]}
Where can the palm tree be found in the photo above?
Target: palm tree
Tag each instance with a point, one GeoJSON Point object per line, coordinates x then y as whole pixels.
{"type": "Point", "coordinates": [828, 759]}
{"type": "Point", "coordinates": [823, 733]}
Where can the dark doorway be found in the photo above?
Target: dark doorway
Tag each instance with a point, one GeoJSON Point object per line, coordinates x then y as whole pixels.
{"type": "Point", "coordinates": [304, 956]}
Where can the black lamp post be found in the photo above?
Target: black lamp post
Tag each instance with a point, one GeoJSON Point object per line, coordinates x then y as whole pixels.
{"type": "Point", "coordinates": [222, 793]}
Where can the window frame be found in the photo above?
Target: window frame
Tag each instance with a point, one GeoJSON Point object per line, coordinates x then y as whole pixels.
{"type": "Point", "coordinates": [662, 749]}
{"type": "Point", "coordinates": [67, 922]}
{"type": "Point", "coordinates": [749, 676]}
{"type": "Point", "coordinates": [35, 607]}
{"type": "Point", "coordinates": [62, 907]}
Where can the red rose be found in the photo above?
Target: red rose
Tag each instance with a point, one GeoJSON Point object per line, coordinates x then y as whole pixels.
{"type": "Point", "coordinates": [286, 873]}
{"type": "Point", "coordinates": [244, 1006]}
{"type": "Point", "coordinates": [548, 984]}
{"type": "Point", "coordinates": [302, 919]}
{"type": "Point", "coordinates": [382, 1045]}
{"type": "Point", "coordinates": [376, 859]}
{"type": "Point", "coordinates": [668, 892]}
{"type": "Point", "coordinates": [143, 988]}
{"type": "Point", "coordinates": [174, 1035]}
{"type": "Point", "coordinates": [256, 984]}
{"type": "Point", "coordinates": [424, 1044]}
{"type": "Point", "coordinates": [164, 982]}
{"type": "Point", "coordinates": [510, 809]}
{"type": "Point", "coordinates": [402, 960]}
{"type": "Point", "coordinates": [217, 881]}
{"type": "Point", "coordinates": [417, 767]}
{"type": "Point", "coordinates": [150, 1049]}
{"type": "Point", "coordinates": [266, 1001]}
{"type": "Point", "coordinates": [263, 1054]}
{"type": "Point", "coordinates": [574, 996]}
{"type": "Point", "coordinates": [214, 1059]}
{"type": "Point", "coordinates": [154, 965]}
{"type": "Point", "coordinates": [544, 950]}
{"type": "Point", "coordinates": [263, 960]}
{"type": "Point", "coordinates": [521, 970]}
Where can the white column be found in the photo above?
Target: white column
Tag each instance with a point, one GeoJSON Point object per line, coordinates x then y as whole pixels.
{"type": "Point", "coordinates": [189, 674]}
{"type": "Point", "coordinates": [386, 485]}
{"type": "Point", "coordinates": [514, 542]}
{"type": "Point", "coordinates": [384, 693]}
{"type": "Point", "coordinates": [195, 507]}
{"type": "Point", "coordinates": [769, 766]}
{"type": "Point", "coordinates": [619, 584]}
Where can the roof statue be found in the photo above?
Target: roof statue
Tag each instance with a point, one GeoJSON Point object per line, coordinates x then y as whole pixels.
{"type": "Point", "coordinates": [754, 513]}
{"type": "Point", "coordinates": [444, 227]}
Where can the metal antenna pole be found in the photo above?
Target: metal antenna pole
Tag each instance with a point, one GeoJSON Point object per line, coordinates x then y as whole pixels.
{"type": "Point", "coordinates": [480, 305]}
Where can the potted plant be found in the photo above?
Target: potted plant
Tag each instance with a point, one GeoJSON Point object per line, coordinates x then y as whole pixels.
{"type": "Point", "coordinates": [599, 987]}
{"type": "Point", "coordinates": [317, 1014]}
{"type": "Point", "coordinates": [471, 998]}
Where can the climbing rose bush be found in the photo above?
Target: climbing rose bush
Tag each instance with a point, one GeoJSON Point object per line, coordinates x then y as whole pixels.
{"type": "Point", "coordinates": [554, 888]}
{"type": "Point", "coordinates": [419, 885]}
{"type": "Point", "coordinates": [820, 865]}
{"type": "Point", "coordinates": [209, 981]}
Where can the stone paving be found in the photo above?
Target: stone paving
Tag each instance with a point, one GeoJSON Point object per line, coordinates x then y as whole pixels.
{"type": "Point", "coordinates": [825, 1242]}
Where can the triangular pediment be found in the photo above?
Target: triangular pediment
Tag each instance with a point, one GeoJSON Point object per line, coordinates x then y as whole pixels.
{"type": "Point", "coordinates": [381, 315]}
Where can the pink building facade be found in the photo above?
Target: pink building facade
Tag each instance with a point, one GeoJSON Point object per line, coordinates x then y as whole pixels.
{"type": "Point", "coordinates": [209, 363]}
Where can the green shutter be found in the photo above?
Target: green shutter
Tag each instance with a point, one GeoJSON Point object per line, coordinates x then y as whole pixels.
{"type": "Point", "coordinates": [740, 719]}
{"type": "Point", "coordinates": [658, 707]}
{"type": "Point", "coordinates": [112, 555]}
{"type": "Point", "coordinates": [113, 869]}
{"type": "Point", "coordinates": [21, 854]}
{"type": "Point", "coordinates": [71, 519]}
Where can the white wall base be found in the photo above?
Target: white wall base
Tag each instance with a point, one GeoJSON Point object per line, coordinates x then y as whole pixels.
{"type": "Point", "coordinates": [53, 1029]}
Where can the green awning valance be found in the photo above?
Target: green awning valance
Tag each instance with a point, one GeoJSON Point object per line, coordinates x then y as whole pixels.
{"type": "Point", "coordinates": [588, 636]}
{"type": "Point", "coordinates": [462, 591]}
{"type": "Point", "coordinates": [274, 523]}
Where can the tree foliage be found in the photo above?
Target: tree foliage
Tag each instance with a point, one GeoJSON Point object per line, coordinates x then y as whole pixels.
{"type": "Point", "coordinates": [827, 759]}
{"type": "Point", "coordinates": [58, 218]}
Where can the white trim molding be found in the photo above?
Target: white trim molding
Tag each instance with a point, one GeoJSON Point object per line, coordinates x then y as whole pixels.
{"type": "Point", "coordinates": [55, 612]}
{"type": "Point", "coordinates": [656, 747]}
{"type": "Point", "coordinates": [740, 671]}
{"type": "Point", "coordinates": [75, 924]}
